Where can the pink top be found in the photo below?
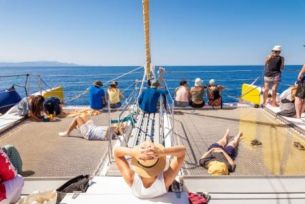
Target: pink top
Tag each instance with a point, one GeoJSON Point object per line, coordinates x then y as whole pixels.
{"type": "Point", "coordinates": [182, 94]}
{"type": "Point", "coordinates": [7, 172]}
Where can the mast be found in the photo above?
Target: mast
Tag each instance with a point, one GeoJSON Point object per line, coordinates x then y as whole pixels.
{"type": "Point", "coordinates": [145, 4]}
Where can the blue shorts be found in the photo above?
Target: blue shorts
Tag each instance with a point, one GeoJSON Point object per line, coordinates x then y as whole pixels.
{"type": "Point", "coordinates": [230, 150]}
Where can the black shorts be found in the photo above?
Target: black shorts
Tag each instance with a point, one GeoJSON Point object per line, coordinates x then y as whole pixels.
{"type": "Point", "coordinates": [195, 105]}
{"type": "Point", "coordinates": [300, 93]}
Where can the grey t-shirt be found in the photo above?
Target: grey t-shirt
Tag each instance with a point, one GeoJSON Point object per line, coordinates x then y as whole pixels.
{"type": "Point", "coordinates": [23, 107]}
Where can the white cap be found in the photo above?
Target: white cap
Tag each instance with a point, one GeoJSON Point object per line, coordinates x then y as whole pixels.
{"type": "Point", "coordinates": [198, 82]}
{"type": "Point", "coordinates": [277, 48]}
{"type": "Point", "coordinates": [212, 82]}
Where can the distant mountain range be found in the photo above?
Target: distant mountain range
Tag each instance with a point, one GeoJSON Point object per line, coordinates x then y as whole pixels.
{"type": "Point", "coordinates": [36, 64]}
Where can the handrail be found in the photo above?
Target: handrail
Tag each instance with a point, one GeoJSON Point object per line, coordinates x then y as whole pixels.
{"type": "Point", "coordinates": [116, 78]}
{"type": "Point", "coordinates": [107, 82]}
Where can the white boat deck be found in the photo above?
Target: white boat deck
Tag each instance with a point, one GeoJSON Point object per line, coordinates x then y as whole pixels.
{"type": "Point", "coordinates": [249, 189]}
{"type": "Point", "coordinates": [298, 124]}
{"type": "Point", "coordinates": [115, 190]}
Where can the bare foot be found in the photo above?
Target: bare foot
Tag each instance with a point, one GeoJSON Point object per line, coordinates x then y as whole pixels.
{"type": "Point", "coordinates": [275, 104]}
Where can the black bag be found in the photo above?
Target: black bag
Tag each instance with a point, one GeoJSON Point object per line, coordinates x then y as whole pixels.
{"type": "Point", "coordinates": [287, 108]}
{"type": "Point", "coordinates": [77, 184]}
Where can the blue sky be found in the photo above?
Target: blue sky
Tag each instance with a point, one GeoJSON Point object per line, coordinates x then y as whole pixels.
{"type": "Point", "coordinates": [183, 32]}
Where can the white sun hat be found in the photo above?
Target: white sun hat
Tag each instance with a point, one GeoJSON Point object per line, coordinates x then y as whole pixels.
{"type": "Point", "coordinates": [212, 82]}
{"type": "Point", "coordinates": [198, 82]}
{"type": "Point", "coordinates": [277, 48]}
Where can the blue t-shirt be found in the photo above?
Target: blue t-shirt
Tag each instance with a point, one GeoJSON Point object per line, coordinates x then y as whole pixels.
{"type": "Point", "coordinates": [148, 100]}
{"type": "Point", "coordinates": [96, 96]}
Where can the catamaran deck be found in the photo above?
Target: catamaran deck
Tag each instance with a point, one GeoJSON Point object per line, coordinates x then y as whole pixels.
{"type": "Point", "coordinates": [45, 154]}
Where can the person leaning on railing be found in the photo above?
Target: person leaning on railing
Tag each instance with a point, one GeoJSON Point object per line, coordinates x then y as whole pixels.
{"type": "Point", "coordinates": [148, 177]}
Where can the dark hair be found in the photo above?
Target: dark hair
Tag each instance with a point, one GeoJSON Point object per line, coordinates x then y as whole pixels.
{"type": "Point", "coordinates": [183, 82]}
{"type": "Point", "coordinates": [37, 105]}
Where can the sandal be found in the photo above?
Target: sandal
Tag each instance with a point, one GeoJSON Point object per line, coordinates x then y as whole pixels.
{"type": "Point", "coordinates": [256, 142]}
{"type": "Point", "coordinates": [298, 145]}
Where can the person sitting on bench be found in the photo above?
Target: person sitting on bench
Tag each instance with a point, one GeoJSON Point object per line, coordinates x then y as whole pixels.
{"type": "Point", "coordinates": [148, 178]}
{"type": "Point", "coordinates": [219, 159]}
{"type": "Point", "coordinates": [148, 100]}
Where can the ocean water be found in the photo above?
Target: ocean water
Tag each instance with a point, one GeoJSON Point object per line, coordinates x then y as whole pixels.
{"type": "Point", "coordinates": [76, 79]}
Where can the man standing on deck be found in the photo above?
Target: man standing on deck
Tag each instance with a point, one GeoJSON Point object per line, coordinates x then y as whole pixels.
{"type": "Point", "coordinates": [97, 96]}
{"type": "Point", "coordinates": [274, 65]}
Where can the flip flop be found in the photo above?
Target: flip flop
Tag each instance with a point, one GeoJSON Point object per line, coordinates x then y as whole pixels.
{"type": "Point", "coordinates": [256, 142]}
{"type": "Point", "coordinates": [298, 145]}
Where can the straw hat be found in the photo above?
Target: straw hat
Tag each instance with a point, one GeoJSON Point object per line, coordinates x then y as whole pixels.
{"type": "Point", "coordinates": [149, 168]}
{"type": "Point", "coordinates": [98, 83]}
{"type": "Point", "coordinates": [212, 82]}
{"type": "Point", "coordinates": [277, 48]}
{"type": "Point", "coordinates": [198, 82]}
{"type": "Point", "coordinates": [217, 168]}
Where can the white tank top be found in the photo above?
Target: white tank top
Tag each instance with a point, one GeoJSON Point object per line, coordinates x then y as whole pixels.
{"type": "Point", "coordinates": [158, 188]}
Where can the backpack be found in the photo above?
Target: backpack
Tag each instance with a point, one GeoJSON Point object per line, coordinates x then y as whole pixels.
{"type": "Point", "coordinates": [14, 157]}
{"type": "Point", "coordinates": [287, 108]}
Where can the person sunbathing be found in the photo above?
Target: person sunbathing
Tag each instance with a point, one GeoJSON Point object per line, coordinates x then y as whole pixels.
{"type": "Point", "coordinates": [148, 178]}
{"type": "Point", "coordinates": [219, 159]}
{"type": "Point", "coordinates": [90, 131]}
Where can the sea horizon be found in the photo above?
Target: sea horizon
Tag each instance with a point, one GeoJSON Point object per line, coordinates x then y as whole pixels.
{"type": "Point", "coordinates": [78, 78]}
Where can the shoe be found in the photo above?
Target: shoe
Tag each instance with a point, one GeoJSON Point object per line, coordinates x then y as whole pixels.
{"type": "Point", "coordinates": [256, 142]}
{"type": "Point", "coordinates": [63, 134]}
{"type": "Point", "coordinates": [298, 145]}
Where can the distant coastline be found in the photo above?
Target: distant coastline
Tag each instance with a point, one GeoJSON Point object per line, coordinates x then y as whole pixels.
{"type": "Point", "coordinates": [64, 64]}
{"type": "Point", "coordinates": [38, 64]}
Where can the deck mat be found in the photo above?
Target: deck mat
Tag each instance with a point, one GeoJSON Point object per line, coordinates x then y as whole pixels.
{"type": "Point", "coordinates": [276, 156]}
{"type": "Point", "coordinates": [45, 154]}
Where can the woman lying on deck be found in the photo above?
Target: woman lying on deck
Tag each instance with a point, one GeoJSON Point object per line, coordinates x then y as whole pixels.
{"type": "Point", "coordinates": [90, 131]}
{"type": "Point", "coordinates": [147, 178]}
{"type": "Point", "coordinates": [31, 107]}
{"type": "Point", "coordinates": [219, 157]}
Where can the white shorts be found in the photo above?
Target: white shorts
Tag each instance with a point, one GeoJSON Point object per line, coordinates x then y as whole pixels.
{"type": "Point", "coordinates": [13, 189]}
{"type": "Point", "coordinates": [276, 78]}
{"type": "Point", "coordinates": [92, 132]}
